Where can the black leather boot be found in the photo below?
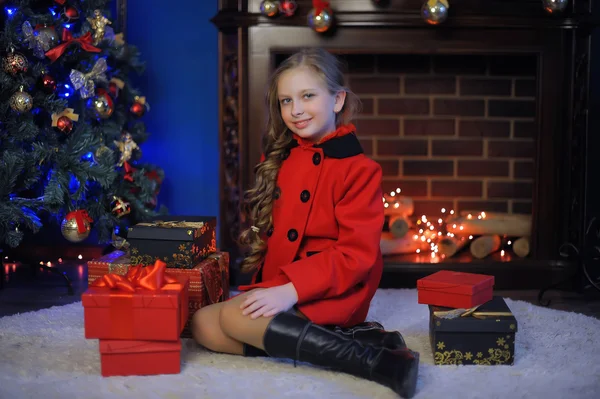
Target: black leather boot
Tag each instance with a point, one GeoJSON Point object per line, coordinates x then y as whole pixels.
{"type": "Point", "coordinates": [373, 333]}
{"type": "Point", "coordinates": [252, 351]}
{"type": "Point", "coordinates": [367, 333]}
{"type": "Point", "coordinates": [292, 337]}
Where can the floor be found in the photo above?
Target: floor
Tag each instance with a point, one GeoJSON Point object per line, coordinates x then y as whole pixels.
{"type": "Point", "coordinates": [27, 288]}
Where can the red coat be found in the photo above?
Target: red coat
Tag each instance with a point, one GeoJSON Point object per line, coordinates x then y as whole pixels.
{"type": "Point", "coordinates": [327, 223]}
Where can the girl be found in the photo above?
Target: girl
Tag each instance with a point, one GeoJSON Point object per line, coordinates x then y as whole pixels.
{"type": "Point", "coordinates": [317, 213]}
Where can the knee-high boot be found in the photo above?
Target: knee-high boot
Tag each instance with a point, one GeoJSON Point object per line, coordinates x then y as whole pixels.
{"type": "Point", "coordinates": [292, 337]}
{"type": "Point", "coordinates": [367, 333]}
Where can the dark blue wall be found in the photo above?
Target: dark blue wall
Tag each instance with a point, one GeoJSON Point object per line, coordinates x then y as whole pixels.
{"type": "Point", "coordinates": [179, 45]}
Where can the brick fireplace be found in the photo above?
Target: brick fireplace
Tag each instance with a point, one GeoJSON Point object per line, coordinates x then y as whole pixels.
{"type": "Point", "coordinates": [455, 132]}
{"type": "Point", "coordinates": [486, 114]}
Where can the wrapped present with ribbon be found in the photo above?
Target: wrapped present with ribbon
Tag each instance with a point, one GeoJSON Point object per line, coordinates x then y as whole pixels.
{"type": "Point", "coordinates": [181, 242]}
{"type": "Point", "coordinates": [482, 335]}
{"type": "Point", "coordinates": [147, 304]}
{"type": "Point", "coordinates": [86, 82]}
{"type": "Point", "coordinates": [455, 289]}
{"type": "Point", "coordinates": [116, 262]}
{"type": "Point", "coordinates": [209, 283]}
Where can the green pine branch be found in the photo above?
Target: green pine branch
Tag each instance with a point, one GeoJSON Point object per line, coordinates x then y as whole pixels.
{"type": "Point", "coordinates": [47, 173]}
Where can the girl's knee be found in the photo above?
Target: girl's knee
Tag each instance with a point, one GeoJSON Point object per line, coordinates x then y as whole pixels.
{"type": "Point", "coordinates": [203, 322]}
{"type": "Point", "coordinates": [229, 316]}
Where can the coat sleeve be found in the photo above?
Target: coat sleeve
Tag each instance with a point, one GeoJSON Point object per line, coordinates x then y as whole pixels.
{"type": "Point", "coordinates": [360, 218]}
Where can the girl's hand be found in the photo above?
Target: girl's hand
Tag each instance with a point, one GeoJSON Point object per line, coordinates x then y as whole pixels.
{"type": "Point", "coordinates": [270, 301]}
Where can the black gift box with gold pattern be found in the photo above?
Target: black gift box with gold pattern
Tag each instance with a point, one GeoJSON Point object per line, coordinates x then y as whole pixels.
{"type": "Point", "coordinates": [181, 242]}
{"type": "Point", "coordinates": [485, 336]}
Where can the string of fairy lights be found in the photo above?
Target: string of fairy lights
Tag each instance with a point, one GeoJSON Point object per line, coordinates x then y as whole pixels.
{"type": "Point", "coordinates": [430, 232]}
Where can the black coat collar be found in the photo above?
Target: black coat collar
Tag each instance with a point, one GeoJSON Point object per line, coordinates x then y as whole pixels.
{"type": "Point", "coordinates": [338, 147]}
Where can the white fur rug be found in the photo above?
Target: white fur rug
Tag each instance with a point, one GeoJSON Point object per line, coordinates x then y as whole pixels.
{"type": "Point", "coordinates": [44, 354]}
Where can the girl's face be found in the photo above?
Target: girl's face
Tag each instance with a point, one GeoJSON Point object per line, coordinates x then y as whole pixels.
{"type": "Point", "coordinates": [307, 107]}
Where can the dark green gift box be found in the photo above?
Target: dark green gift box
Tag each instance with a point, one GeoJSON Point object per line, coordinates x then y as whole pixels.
{"type": "Point", "coordinates": [181, 242]}
{"type": "Point", "coordinates": [484, 337]}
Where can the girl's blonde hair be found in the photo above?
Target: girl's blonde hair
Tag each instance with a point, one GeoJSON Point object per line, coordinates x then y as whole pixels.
{"type": "Point", "coordinates": [258, 200]}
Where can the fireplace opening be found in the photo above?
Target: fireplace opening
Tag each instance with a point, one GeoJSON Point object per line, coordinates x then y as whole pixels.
{"type": "Point", "coordinates": [456, 137]}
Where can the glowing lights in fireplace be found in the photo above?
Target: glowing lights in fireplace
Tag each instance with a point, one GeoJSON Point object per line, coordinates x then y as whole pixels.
{"type": "Point", "coordinates": [429, 233]}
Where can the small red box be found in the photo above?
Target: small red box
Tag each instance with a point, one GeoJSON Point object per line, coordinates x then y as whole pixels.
{"type": "Point", "coordinates": [140, 357]}
{"type": "Point", "coordinates": [143, 315]}
{"type": "Point", "coordinates": [455, 289]}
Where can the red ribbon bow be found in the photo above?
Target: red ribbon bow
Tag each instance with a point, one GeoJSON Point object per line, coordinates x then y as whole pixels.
{"type": "Point", "coordinates": [80, 216]}
{"type": "Point", "coordinates": [128, 171]}
{"type": "Point", "coordinates": [84, 41]}
{"type": "Point", "coordinates": [152, 278]}
{"type": "Point", "coordinates": [320, 5]}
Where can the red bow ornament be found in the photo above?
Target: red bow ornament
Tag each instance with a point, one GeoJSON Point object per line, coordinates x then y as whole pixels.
{"type": "Point", "coordinates": [85, 42]}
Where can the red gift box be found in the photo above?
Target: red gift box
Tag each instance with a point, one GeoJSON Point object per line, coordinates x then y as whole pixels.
{"type": "Point", "coordinates": [146, 304]}
{"type": "Point", "coordinates": [116, 262]}
{"type": "Point", "coordinates": [209, 283]}
{"type": "Point", "coordinates": [140, 357]}
{"type": "Point", "coordinates": [455, 289]}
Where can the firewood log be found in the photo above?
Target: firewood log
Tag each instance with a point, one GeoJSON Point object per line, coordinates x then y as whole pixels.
{"type": "Point", "coordinates": [484, 246]}
{"type": "Point", "coordinates": [495, 215]}
{"type": "Point", "coordinates": [399, 225]}
{"type": "Point", "coordinates": [521, 247]}
{"type": "Point", "coordinates": [391, 245]}
{"type": "Point", "coordinates": [399, 205]}
{"type": "Point", "coordinates": [449, 246]}
{"type": "Point", "coordinates": [509, 225]}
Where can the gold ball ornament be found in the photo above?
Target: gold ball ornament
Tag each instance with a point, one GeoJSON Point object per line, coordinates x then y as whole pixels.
{"type": "Point", "coordinates": [100, 151]}
{"type": "Point", "coordinates": [322, 21]}
{"type": "Point", "coordinates": [555, 6]}
{"type": "Point", "coordinates": [69, 230]}
{"type": "Point", "coordinates": [101, 104]}
{"type": "Point", "coordinates": [435, 12]}
{"type": "Point", "coordinates": [269, 8]}
{"type": "Point", "coordinates": [21, 101]}
{"type": "Point", "coordinates": [14, 63]}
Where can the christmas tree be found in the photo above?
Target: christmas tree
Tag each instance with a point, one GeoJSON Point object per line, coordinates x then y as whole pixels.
{"type": "Point", "coordinates": [70, 124]}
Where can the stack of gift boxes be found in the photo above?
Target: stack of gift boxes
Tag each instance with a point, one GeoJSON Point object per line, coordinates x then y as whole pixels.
{"type": "Point", "coordinates": [140, 303]}
{"type": "Point", "coordinates": [468, 324]}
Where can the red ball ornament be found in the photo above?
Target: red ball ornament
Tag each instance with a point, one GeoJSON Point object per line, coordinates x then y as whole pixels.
{"type": "Point", "coordinates": [288, 7]}
{"type": "Point", "coordinates": [47, 84]}
{"type": "Point", "coordinates": [138, 109]}
{"type": "Point", "coordinates": [64, 124]}
{"type": "Point", "coordinates": [71, 13]}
